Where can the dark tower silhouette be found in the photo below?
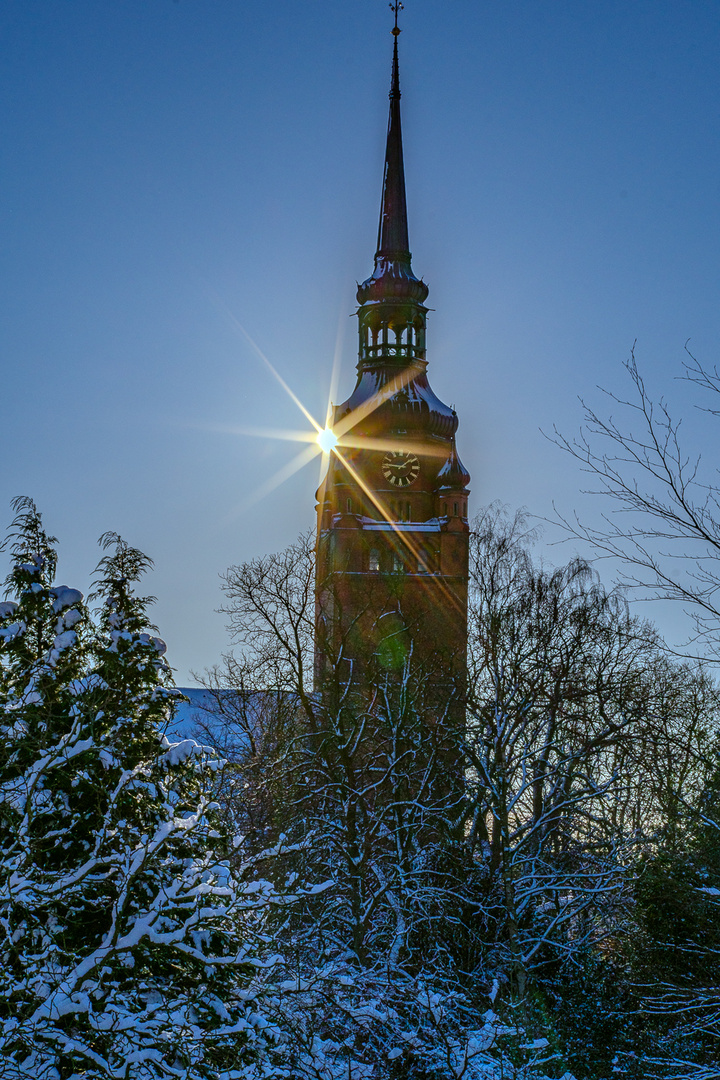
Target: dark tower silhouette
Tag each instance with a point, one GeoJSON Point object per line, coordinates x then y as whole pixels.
{"type": "Point", "coordinates": [392, 546]}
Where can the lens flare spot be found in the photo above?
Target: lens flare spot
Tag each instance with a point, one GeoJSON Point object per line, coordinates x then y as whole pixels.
{"type": "Point", "coordinates": [327, 440]}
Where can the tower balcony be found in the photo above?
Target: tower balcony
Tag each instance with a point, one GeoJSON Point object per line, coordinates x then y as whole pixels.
{"type": "Point", "coordinates": [391, 342]}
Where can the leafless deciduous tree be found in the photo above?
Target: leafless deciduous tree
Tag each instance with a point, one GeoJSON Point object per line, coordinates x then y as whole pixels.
{"type": "Point", "coordinates": [363, 775]}
{"type": "Point", "coordinates": [581, 738]}
{"type": "Point", "coordinates": [424, 900]}
{"type": "Point", "coordinates": [663, 523]}
{"type": "Point", "coordinates": [663, 518]}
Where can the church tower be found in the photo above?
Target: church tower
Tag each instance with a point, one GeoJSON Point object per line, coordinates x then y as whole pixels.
{"type": "Point", "coordinates": [392, 542]}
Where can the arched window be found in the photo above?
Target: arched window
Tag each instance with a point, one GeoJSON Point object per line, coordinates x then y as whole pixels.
{"type": "Point", "coordinates": [374, 559]}
{"type": "Point", "coordinates": [349, 506]}
{"type": "Point", "coordinates": [455, 509]}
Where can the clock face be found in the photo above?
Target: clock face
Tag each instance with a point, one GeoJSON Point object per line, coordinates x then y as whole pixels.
{"type": "Point", "coordinates": [400, 468]}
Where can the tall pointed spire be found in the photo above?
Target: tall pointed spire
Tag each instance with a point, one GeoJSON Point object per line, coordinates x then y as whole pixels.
{"type": "Point", "coordinates": [393, 241]}
{"type": "Point", "coordinates": [391, 314]}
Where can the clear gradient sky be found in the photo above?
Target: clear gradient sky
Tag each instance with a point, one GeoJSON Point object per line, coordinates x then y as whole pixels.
{"type": "Point", "coordinates": [174, 169]}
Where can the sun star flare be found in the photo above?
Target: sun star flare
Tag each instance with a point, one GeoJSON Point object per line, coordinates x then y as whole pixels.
{"type": "Point", "coordinates": [327, 440]}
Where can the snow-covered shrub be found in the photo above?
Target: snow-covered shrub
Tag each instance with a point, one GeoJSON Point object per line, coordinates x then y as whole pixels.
{"type": "Point", "coordinates": [129, 928]}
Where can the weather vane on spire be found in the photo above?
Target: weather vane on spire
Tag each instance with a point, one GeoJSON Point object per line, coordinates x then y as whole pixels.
{"type": "Point", "coordinates": [396, 6]}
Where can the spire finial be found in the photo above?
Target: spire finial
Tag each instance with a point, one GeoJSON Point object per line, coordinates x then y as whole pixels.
{"type": "Point", "coordinates": [397, 6]}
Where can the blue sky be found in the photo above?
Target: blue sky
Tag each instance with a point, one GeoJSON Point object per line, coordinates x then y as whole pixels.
{"type": "Point", "coordinates": [172, 170]}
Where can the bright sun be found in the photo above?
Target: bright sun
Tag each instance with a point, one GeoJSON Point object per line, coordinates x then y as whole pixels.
{"type": "Point", "coordinates": [327, 440]}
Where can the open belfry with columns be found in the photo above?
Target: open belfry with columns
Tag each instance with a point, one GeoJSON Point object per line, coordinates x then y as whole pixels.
{"type": "Point", "coordinates": [392, 540]}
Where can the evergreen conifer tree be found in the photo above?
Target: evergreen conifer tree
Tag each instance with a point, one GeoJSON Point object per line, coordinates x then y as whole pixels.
{"type": "Point", "coordinates": [127, 936]}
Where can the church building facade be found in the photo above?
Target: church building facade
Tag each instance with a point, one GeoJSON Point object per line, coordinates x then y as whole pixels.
{"type": "Point", "coordinates": [392, 540]}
